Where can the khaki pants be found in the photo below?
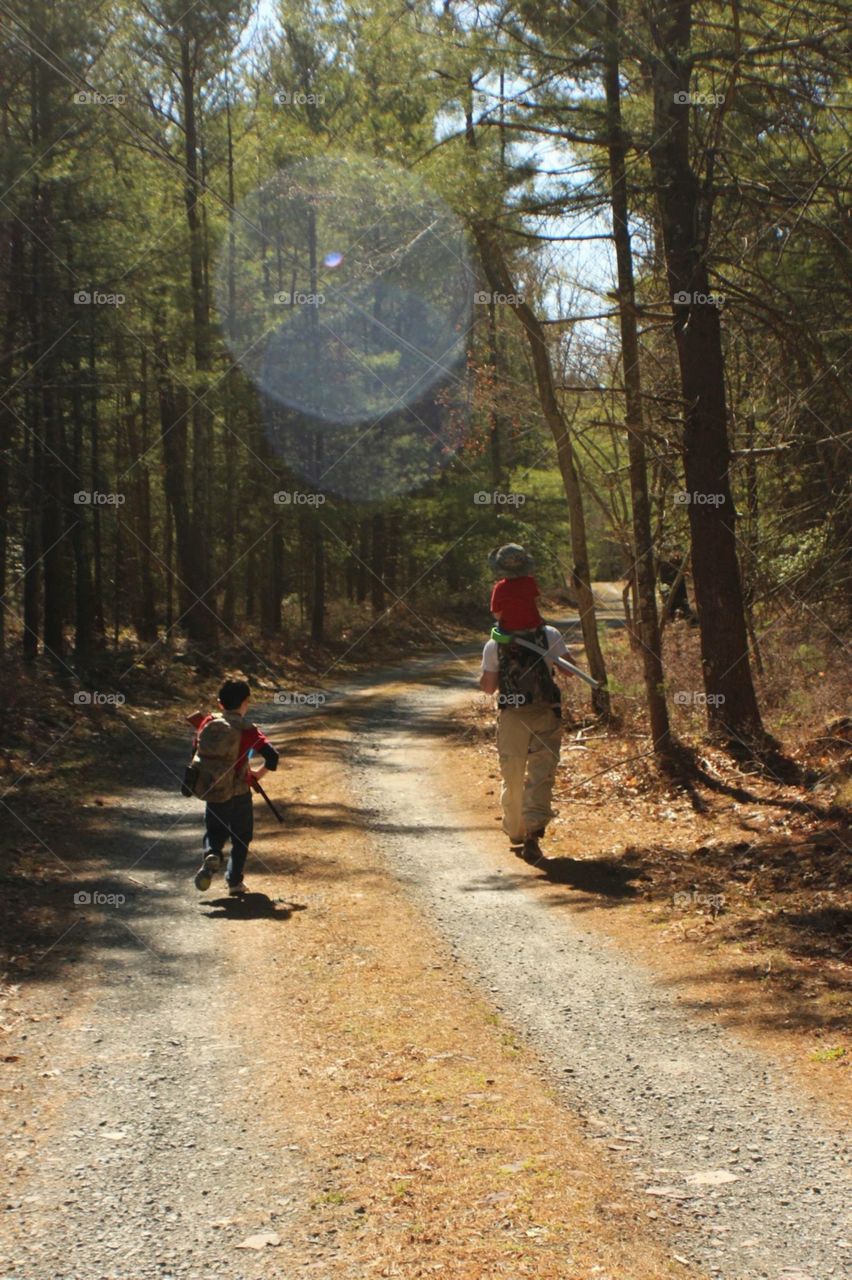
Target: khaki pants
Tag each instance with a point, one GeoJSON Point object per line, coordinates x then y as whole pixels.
{"type": "Point", "coordinates": [528, 742]}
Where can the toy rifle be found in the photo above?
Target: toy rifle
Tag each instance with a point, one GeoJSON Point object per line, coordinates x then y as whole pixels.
{"type": "Point", "coordinates": [255, 783]}
{"type": "Point", "coordinates": [510, 637]}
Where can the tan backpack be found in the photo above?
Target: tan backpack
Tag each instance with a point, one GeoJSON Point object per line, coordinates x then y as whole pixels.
{"type": "Point", "coordinates": [211, 775]}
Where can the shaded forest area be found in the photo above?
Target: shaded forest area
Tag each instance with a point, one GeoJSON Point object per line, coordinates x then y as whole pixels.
{"type": "Point", "coordinates": [647, 380]}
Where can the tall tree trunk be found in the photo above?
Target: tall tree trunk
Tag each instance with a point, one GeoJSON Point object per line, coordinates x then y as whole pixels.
{"type": "Point", "coordinates": [118, 580]}
{"type": "Point", "coordinates": [84, 622]}
{"type": "Point", "coordinates": [270, 604]}
{"type": "Point", "coordinates": [12, 248]}
{"type": "Point", "coordinates": [318, 585]}
{"type": "Point", "coordinates": [145, 611]}
{"type": "Point", "coordinates": [169, 555]}
{"type": "Point", "coordinates": [685, 219]}
{"type": "Point", "coordinates": [392, 553]}
{"type": "Point", "coordinates": [53, 522]}
{"type": "Point", "coordinates": [229, 585]}
{"type": "Point", "coordinates": [200, 621]}
{"type": "Point", "coordinates": [318, 589]}
{"type": "Point", "coordinates": [5, 455]}
{"type": "Point", "coordinates": [173, 438]}
{"type": "Point", "coordinates": [95, 471]}
{"type": "Point", "coordinates": [362, 586]}
{"type": "Point", "coordinates": [500, 279]}
{"type": "Point", "coordinates": [495, 423]}
{"type": "Point", "coordinates": [350, 567]}
{"type": "Point", "coordinates": [32, 541]}
{"type": "Point", "coordinates": [232, 379]}
{"type": "Point", "coordinates": [377, 562]}
{"type": "Point", "coordinates": [647, 623]}
{"type": "Point", "coordinates": [753, 542]}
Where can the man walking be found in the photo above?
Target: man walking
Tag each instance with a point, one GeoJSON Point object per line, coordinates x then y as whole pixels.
{"type": "Point", "coordinates": [529, 730]}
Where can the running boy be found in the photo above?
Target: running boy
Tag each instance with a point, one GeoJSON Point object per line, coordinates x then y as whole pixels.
{"type": "Point", "coordinates": [513, 600]}
{"type": "Point", "coordinates": [222, 747]}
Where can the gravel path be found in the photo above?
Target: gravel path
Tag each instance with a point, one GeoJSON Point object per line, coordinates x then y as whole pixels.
{"type": "Point", "coordinates": [722, 1147]}
{"type": "Point", "coordinates": [161, 1159]}
{"type": "Point", "coordinates": [158, 1162]}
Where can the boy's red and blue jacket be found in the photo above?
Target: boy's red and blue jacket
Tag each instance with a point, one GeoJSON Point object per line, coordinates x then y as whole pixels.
{"type": "Point", "coordinates": [251, 739]}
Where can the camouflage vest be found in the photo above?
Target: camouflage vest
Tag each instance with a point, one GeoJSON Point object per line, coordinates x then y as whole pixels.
{"type": "Point", "coordinates": [524, 677]}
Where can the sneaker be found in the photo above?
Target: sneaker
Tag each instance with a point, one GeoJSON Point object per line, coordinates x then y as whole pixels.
{"type": "Point", "coordinates": [204, 874]}
{"type": "Point", "coordinates": [237, 890]}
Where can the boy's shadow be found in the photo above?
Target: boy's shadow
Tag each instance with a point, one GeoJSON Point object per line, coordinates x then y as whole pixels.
{"type": "Point", "coordinates": [250, 906]}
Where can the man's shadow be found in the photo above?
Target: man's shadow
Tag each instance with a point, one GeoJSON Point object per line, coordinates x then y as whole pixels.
{"type": "Point", "coordinates": [604, 877]}
{"type": "Point", "coordinates": [249, 906]}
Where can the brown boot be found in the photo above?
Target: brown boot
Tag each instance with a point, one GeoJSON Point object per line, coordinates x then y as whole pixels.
{"type": "Point", "coordinates": [531, 851]}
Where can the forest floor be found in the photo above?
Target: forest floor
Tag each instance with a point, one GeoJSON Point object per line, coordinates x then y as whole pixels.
{"type": "Point", "coordinates": [407, 1053]}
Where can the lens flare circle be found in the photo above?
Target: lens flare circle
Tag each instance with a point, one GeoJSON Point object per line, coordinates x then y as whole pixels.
{"type": "Point", "coordinates": [345, 289]}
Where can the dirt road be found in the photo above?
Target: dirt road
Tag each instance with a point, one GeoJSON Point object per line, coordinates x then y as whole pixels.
{"type": "Point", "coordinates": [704, 1122]}
{"type": "Point", "coordinates": [155, 1128]}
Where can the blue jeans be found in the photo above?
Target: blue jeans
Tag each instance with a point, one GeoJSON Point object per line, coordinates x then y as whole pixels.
{"type": "Point", "coordinates": [233, 820]}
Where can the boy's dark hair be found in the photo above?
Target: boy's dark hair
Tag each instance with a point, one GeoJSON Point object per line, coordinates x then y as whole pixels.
{"type": "Point", "coordinates": [233, 694]}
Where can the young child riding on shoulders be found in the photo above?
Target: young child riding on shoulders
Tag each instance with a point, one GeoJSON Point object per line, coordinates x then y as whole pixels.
{"type": "Point", "coordinates": [513, 599]}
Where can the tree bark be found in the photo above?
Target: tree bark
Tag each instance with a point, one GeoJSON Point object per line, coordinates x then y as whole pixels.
{"type": "Point", "coordinates": [647, 623]}
{"type": "Point", "coordinates": [84, 621]}
{"type": "Point", "coordinates": [377, 563]}
{"type": "Point", "coordinates": [318, 583]}
{"type": "Point", "coordinates": [173, 438]}
{"type": "Point", "coordinates": [200, 620]}
{"type": "Point", "coordinates": [684, 220]}
{"type": "Point", "coordinates": [32, 547]}
{"type": "Point", "coordinates": [144, 605]}
{"type": "Point", "coordinates": [362, 586]}
{"type": "Point", "coordinates": [12, 295]}
{"type": "Point", "coordinates": [92, 520]}
{"type": "Point", "coordinates": [500, 279]}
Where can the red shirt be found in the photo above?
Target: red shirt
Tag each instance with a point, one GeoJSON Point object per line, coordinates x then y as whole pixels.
{"type": "Point", "coordinates": [514, 599]}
